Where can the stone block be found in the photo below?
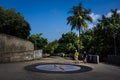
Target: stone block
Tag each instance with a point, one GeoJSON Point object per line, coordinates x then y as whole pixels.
{"type": "Point", "coordinates": [93, 59]}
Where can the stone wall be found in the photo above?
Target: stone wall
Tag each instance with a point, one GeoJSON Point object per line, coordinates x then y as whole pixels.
{"type": "Point", "coordinates": [13, 44]}
{"type": "Point", "coordinates": [21, 56]}
{"type": "Point", "coordinates": [14, 49]}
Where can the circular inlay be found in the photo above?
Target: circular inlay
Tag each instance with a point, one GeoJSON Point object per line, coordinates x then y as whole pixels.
{"type": "Point", "coordinates": [58, 68]}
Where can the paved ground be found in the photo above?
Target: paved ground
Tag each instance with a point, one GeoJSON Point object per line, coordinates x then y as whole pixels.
{"type": "Point", "coordinates": [16, 71]}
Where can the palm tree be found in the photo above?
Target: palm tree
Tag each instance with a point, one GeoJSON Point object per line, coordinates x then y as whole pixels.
{"type": "Point", "coordinates": [79, 18]}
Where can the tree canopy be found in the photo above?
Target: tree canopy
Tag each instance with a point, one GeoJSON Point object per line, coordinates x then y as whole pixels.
{"type": "Point", "coordinates": [104, 38]}
{"type": "Point", "coordinates": [68, 42]}
{"type": "Point", "coordinates": [107, 33]}
{"type": "Point", "coordinates": [38, 40]}
{"type": "Point", "coordinates": [13, 23]}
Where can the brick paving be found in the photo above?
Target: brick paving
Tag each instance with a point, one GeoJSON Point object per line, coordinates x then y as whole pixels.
{"type": "Point", "coordinates": [16, 71]}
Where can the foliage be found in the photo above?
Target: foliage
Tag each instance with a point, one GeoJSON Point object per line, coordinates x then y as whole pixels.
{"type": "Point", "coordinates": [13, 23]}
{"type": "Point", "coordinates": [51, 47]}
{"type": "Point", "coordinates": [39, 42]}
{"type": "Point", "coordinates": [107, 33]}
{"type": "Point", "coordinates": [68, 42]}
{"type": "Point", "coordinates": [88, 41]}
{"type": "Point", "coordinates": [104, 38]}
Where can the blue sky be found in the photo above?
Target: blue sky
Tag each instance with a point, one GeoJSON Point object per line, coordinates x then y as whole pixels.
{"type": "Point", "coordinates": [49, 16]}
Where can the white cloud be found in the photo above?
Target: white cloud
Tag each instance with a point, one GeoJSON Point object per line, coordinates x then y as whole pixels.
{"type": "Point", "coordinates": [95, 17]}
{"type": "Point", "coordinates": [118, 11]}
{"type": "Point", "coordinates": [91, 25]}
{"type": "Point", "coordinates": [109, 14]}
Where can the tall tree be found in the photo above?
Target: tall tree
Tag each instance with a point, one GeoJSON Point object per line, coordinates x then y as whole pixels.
{"type": "Point", "coordinates": [51, 47]}
{"type": "Point", "coordinates": [88, 41]}
{"type": "Point", "coordinates": [13, 23]}
{"type": "Point", "coordinates": [107, 34]}
{"type": "Point", "coordinates": [38, 40]}
{"type": "Point", "coordinates": [68, 42]}
{"type": "Point", "coordinates": [78, 19]}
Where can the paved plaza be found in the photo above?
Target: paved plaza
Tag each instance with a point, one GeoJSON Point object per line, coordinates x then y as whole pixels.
{"type": "Point", "coordinates": [16, 71]}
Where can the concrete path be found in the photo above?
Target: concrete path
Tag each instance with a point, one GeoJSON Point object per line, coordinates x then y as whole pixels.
{"type": "Point", "coordinates": [16, 71]}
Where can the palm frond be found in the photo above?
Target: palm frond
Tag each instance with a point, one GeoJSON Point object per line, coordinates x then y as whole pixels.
{"type": "Point", "coordinates": [79, 17]}
{"type": "Point", "coordinates": [89, 18]}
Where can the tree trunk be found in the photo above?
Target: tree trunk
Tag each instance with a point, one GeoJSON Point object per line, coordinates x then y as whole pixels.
{"type": "Point", "coordinates": [79, 45]}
